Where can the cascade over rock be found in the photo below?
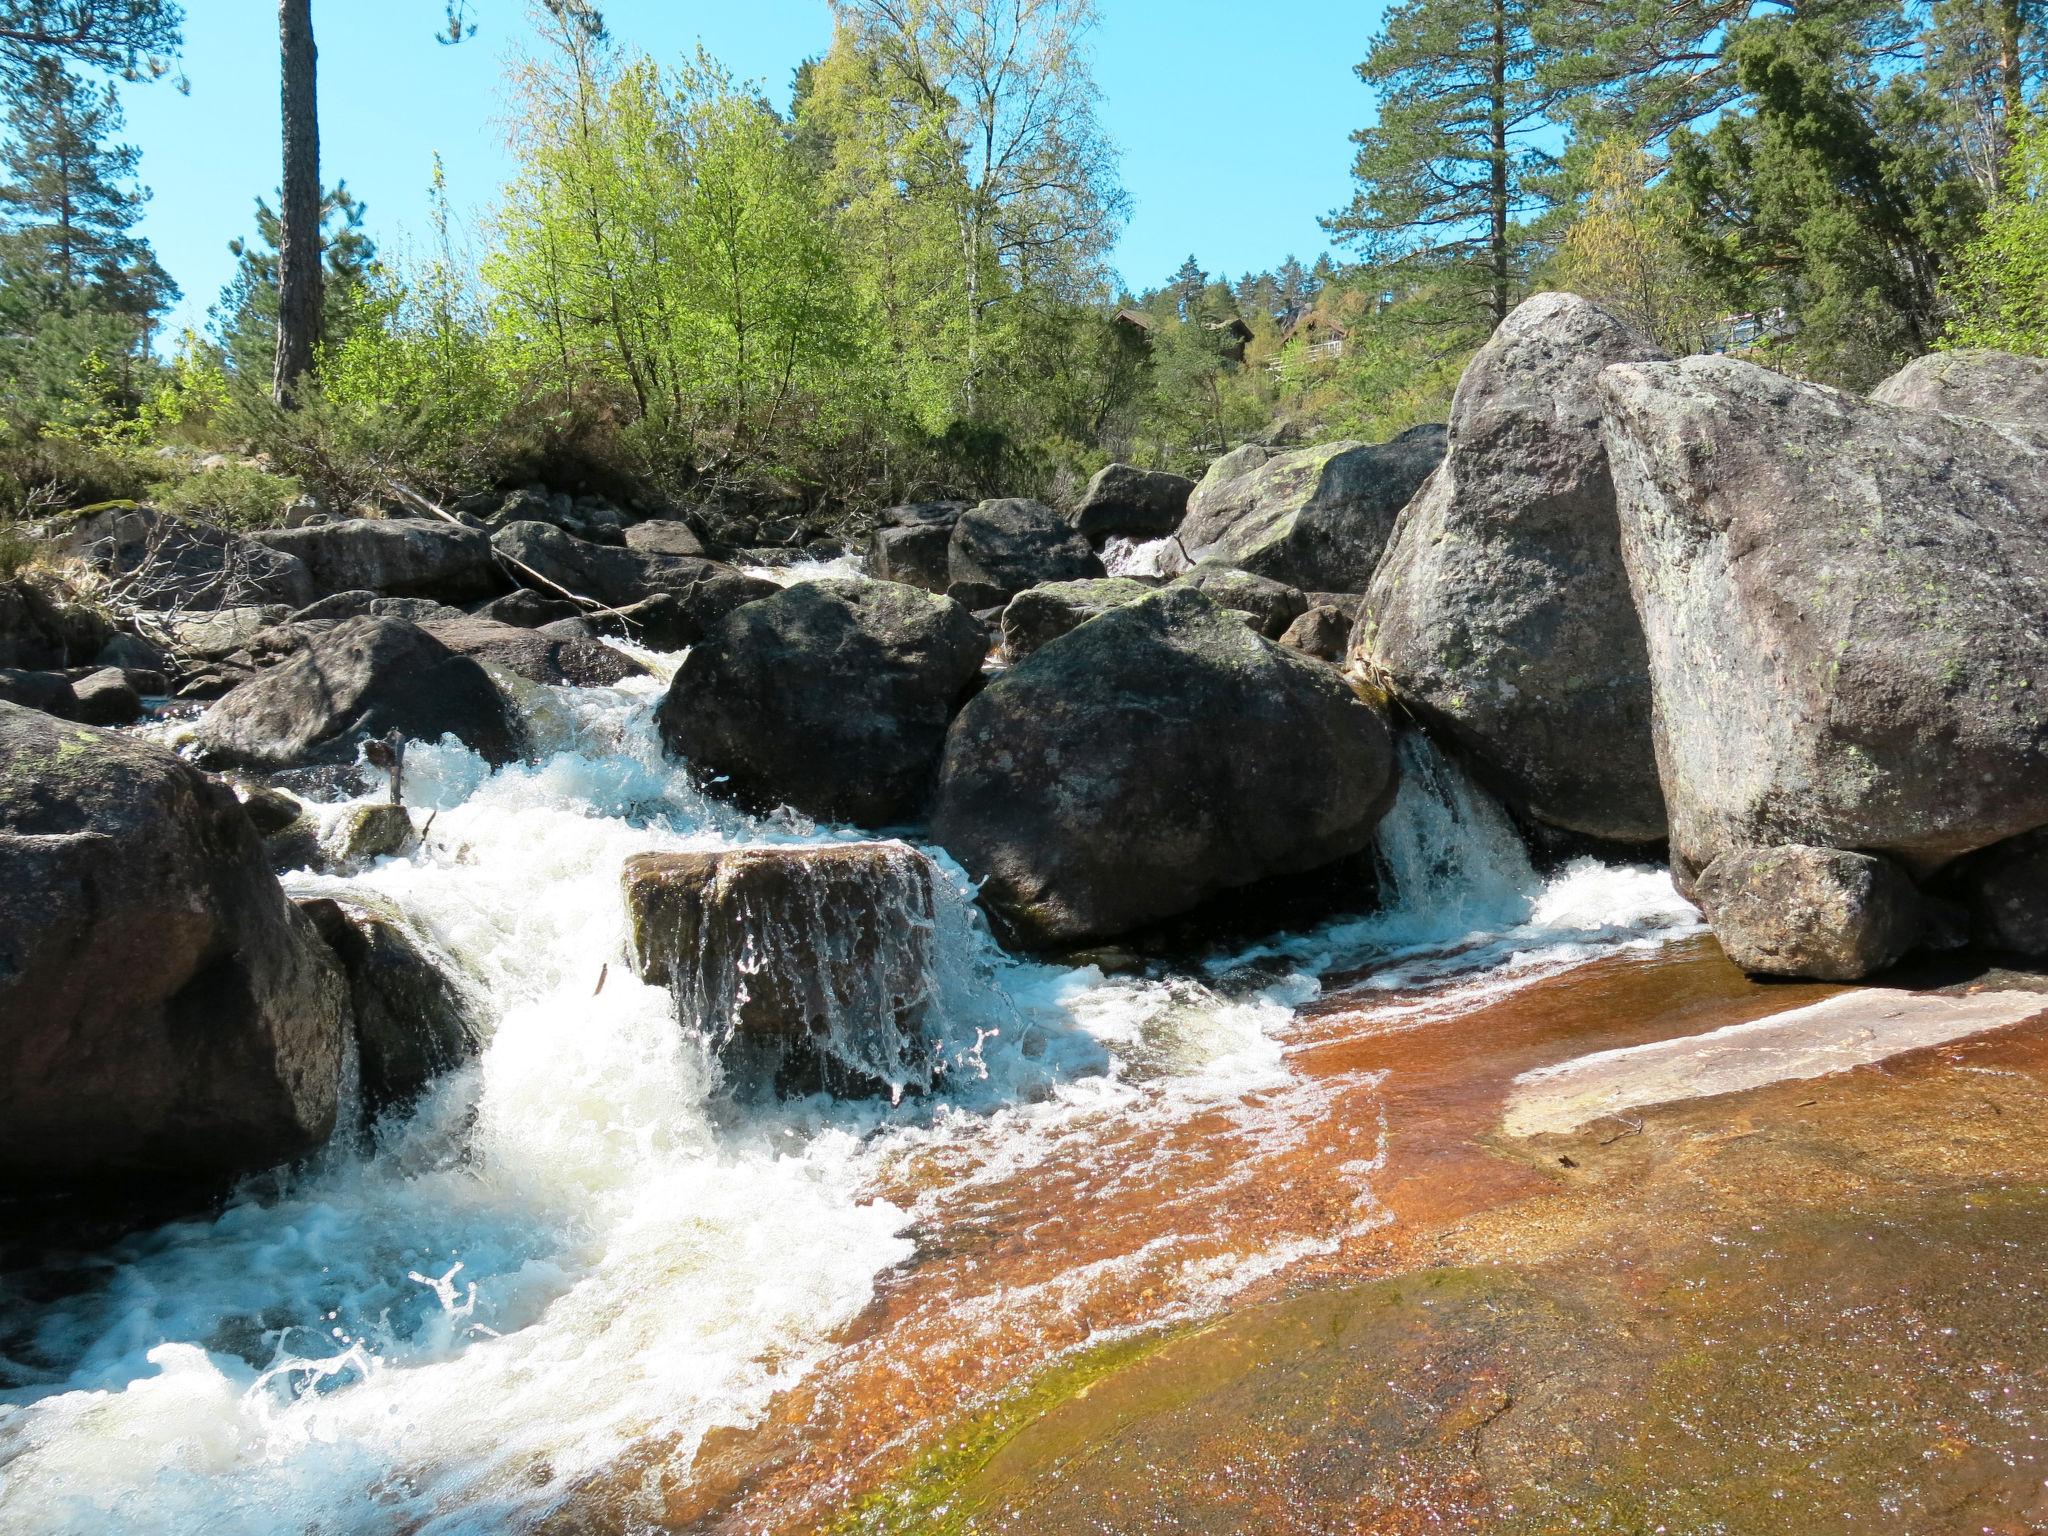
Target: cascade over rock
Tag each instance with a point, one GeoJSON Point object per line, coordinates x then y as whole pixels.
{"type": "Point", "coordinates": [364, 678]}
{"type": "Point", "coordinates": [1314, 518]}
{"type": "Point", "coordinates": [1501, 615]}
{"type": "Point", "coordinates": [165, 1012]}
{"type": "Point", "coordinates": [830, 696]}
{"type": "Point", "coordinates": [1155, 757]}
{"type": "Point", "coordinates": [809, 969]}
{"type": "Point", "coordinates": [1846, 606]}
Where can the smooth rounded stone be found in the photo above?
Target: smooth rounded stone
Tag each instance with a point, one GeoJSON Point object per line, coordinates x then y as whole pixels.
{"type": "Point", "coordinates": [1322, 632]}
{"type": "Point", "coordinates": [545, 655]}
{"type": "Point", "coordinates": [168, 1015]}
{"type": "Point", "coordinates": [1975, 382]}
{"type": "Point", "coordinates": [1501, 615]}
{"type": "Point", "coordinates": [1152, 759]}
{"type": "Point", "coordinates": [1269, 606]}
{"type": "Point", "coordinates": [832, 697]}
{"type": "Point", "coordinates": [2004, 889]}
{"type": "Point", "coordinates": [365, 678]}
{"type": "Point", "coordinates": [365, 604]}
{"type": "Point", "coordinates": [412, 1023]}
{"type": "Point", "coordinates": [810, 969]}
{"type": "Point", "coordinates": [49, 692]}
{"type": "Point", "coordinates": [394, 557]}
{"type": "Point", "coordinates": [1126, 502]}
{"type": "Point", "coordinates": [527, 609]}
{"type": "Point", "coordinates": [1315, 518]}
{"type": "Point", "coordinates": [1041, 615]}
{"type": "Point", "coordinates": [165, 562]}
{"type": "Point", "coordinates": [106, 697]}
{"type": "Point", "coordinates": [670, 621]}
{"type": "Point", "coordinates": [615, 576]}
{"type": "Point", "coordinates": [999, 548]}
{"type": "Point", "coordinates": [1816, 913]}
{"type": "Point", "coordinates": [664, 538]}
{"type": "Point", "coordinates": [44, 625]}
{"type": "Point", "coordinates": [366, 833]}
{"type": "Point", "coordinates": [132, 653]}
{"type": "Point", "coordinates": [1844, 604]}
{"type": "Point", "coordinates": [918, 555]}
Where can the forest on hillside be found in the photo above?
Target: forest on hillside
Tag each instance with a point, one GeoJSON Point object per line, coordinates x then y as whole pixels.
{"type": "Point", "coordinates": [895, 282]}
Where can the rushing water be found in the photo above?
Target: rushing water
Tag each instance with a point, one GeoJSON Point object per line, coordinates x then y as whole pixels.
{"type": "Point", "coordinates": [579, 1243]}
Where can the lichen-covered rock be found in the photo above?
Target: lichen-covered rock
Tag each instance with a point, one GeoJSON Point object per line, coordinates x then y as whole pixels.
{"type": "Point", "coordinates": [807, 969]}
{"type": "Point", "coordinates": [411, 1022]}
{"type": "Point", "coordinates": [1976, 382]}
{"type": "Point", "coordinates": [364, 678]}
{"type": "Point", "coordinates": [364, 833]}
{"type": "Point", "coordinates": [49, 692]}
{"type": "Point", "coordinates": [343, 606]}
{"type": "Point", "coordinates": [537, 655]}
{"type": "Point", "coordinates": [1152, 759]}
{"type": "Point", "coordinates": [999, 548]}
{"type": "Point", "coordinates": [44, 624]}
{"type": "Point", "coordinates": [165, 1013]}
{"type": "Point", "coordinates": [1315, 518]}
{"type": "Point", "coordinates": [1501, 614]}
{"type": "Point", "coordinates": [526, 609]}
{"type": "Point", "coordinates": [666, 537]}
{"type": "Point", "coordinates": [393, 557]}
{"type": "Point", "coordinates": [1816, 913]}
{"type": "Point", "coordinates": [1270, 606]}
{"type": "Point", "coordinates": [669, 621]}
{"type": "Point", "coordinates": [1041, 615]}
{"type": "Point", "coordinates": [831, 696]}
{"type": "Point", "coordinates": [1846, 606]}
{"type": "Point", "coordinates": [1126, 502]}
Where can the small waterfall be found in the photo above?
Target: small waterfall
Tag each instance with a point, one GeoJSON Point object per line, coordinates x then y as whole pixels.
{"type": "Point", "coordinates": [1157, 557]}
{"type": "Point", "coordinates": [1450, 859]}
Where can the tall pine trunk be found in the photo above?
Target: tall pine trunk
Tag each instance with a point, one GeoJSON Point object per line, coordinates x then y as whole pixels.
{"type": "Point", "coordinates": [298, 246]}
{"type": "Point", "coordinates": [1497, 192]}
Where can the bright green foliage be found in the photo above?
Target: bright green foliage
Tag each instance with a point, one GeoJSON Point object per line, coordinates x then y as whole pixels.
{"type": "Point", "coordinates": [245, 316]}
{"type": "Point", "coordinates": [1625, 250]}
{"type": "Point", "coordinates": [2000, 284]}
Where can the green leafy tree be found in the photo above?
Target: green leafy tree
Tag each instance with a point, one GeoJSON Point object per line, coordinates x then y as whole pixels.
{"type": "Point", "coordinates": [2000, 282]}
{"type": "Point", "coordinates": [1624, 249]}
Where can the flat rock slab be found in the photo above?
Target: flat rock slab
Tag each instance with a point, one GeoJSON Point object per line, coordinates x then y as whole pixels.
{"type": "Point", "coordinates": [1852, 1030]}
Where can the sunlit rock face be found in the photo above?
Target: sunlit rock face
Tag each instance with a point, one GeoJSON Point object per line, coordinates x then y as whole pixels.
{"type": "Point", "coordinates": [809, 969]}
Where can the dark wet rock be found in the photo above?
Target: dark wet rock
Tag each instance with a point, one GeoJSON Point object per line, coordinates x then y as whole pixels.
{"type": "Point", "coordinates": [669, 621]}
{"type": "Point", "coordinates": [270, 810]}
{"type": "Point", "coordinates": [999, 548]}
{"type": "Point", "coordinates": [1322, 632]}
{"type": "Point", "coordinates": [133, 653]}
{"type": "Point", "coordinates": [1844, 606]}
{"type": "Point", "coordinates": [160, 561]}
{"type": "Point", "coordinates": [358, 605]}
{"type": "Point", "coordinates": [831, 696]}
{"type": "Point", "coordinates": [584, 518]}
{"type": "Point", "coordinates": [665, 538]}
{"type": "Point", "coordinates": [168, 1015]}
{"type": "Point", "coordinates": [2004, 890]}
{"type": "Point", "coordinates": [576, 628]}
{"type": "Point", "coordinates": [1270, 606]}
{"type": "Point", "coordinates": [1155, 757]}
{"type": "Point", "coordinates": [616, 577]}
{"type": "Point", "coordinates": [1986, 385]}
{"type": "Point", "coordinates": [923, 514]}
{"type": "Point", "coordinates": [106, 697]}
{"type": "Point", "coordinates": [526, 609]}
{"type": "Point", "coordinates": [49, 692]}
{"type": "Point", "coordinates": [1501, 615]}
{"type": "Point", "coordinates": [1041, 615]}
{"type": "Point", "coordinates": [539, 655]}
{"type": "Point", "coordinates": [1124, 502]}
{"type": "Point", "coordinates": [365, 678]}
{"type": "Point", "coordinates": [811, 969]}
{"type": "Point", "coordinates": [1817, 913]}
{"type": "Point", "coordinates": [394, 557]}
{"type": "Point", "coordinates": [916, 556]}
{"type": "Point", "coordinates": [1313, 517]}
{"type": "Point", "coordinates": [44, 624]}
{"type": "Point", "coordinates": [412, 1023]}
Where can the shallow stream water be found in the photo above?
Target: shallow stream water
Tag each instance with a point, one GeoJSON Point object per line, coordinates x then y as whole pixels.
{"type": "Point", "coordinates": [581, 1248]}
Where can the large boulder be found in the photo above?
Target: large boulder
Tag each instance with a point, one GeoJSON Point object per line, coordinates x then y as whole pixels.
{"type": "Point", "coordinates": [999, 548]}
{"type": "Point", "coordinates": [1220, 484]}
{"type": "Point", "coordinates": [807, 969]}
{"type": "Point", "coordinates": [167, 563]}
{"type": "Point", "coordinates": [831, 696]}
{"type": "Point", "coordinates": [365, 678]}
{"type": "Point", "coordinates": [1268, 606]}
{"type": "Point", "coordinates": [665, 537]}
{"type": "Point", "coordinates": [668, 621]}
{"type": "Point", "coordinates": [412, 1023]}
{"type": "Point", "coordinates": [1153, 758]}
{"type": "Point", "coordinates": [917, 555]}
{"type": "Point", "coordinates": [1315, 518]}
{"type": "Point", "coordinates": [1125, 502]}
{"type": "Point", "coordinates": [165, 1013]}
{"type": "Point", "coordinates": [1039, 616]}
{"type": "Point", "coordinates": [534, 654]}
{"type": "Point", "coordinates": [1501, 614]}
{"type": "Point", "coordinates": [394, 557]}
{"type": "Point", "coordinates": [1980, 383]}
{"type": "Point", "coordinates": [1816, 913]}
{"type": "Point", "coordinates": [1846, 606]}
{"type": "Point", "coordinates": [44, 624]}
{"type": "Point", "coordinates": [367, 604]}
{"type": "Point", "coordinates": [610, 574]}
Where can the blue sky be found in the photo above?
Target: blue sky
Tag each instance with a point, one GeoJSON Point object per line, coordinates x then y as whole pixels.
{"type": "Point", "coordinates": [1233, 125]}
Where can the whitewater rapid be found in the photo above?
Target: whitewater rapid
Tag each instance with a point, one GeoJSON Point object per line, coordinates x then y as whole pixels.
{"type": "Point", "coordinates": [578, 1241]}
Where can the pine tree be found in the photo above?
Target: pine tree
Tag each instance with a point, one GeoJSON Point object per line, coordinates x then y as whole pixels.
{"type": "Point", "coordinates": [1455, 166]}
{"type": "Point", "coordinates": [135, 39]}
{"type": "Point", "coordinates": [1186, 286]}
{"type": "Point", "coordinates": [245, 317]}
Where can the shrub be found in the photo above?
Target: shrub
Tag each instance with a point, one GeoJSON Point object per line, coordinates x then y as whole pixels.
{"type": "Point", "coordinates": [236, 495]}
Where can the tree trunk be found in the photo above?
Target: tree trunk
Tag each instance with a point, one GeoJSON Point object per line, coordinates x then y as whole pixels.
{"type": "Point", "coordinates": [2011, 29]}
{"type": "Point", "coordinates": [298, 246]}
{"type": "Point", "coordinates": [1498, 191]}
